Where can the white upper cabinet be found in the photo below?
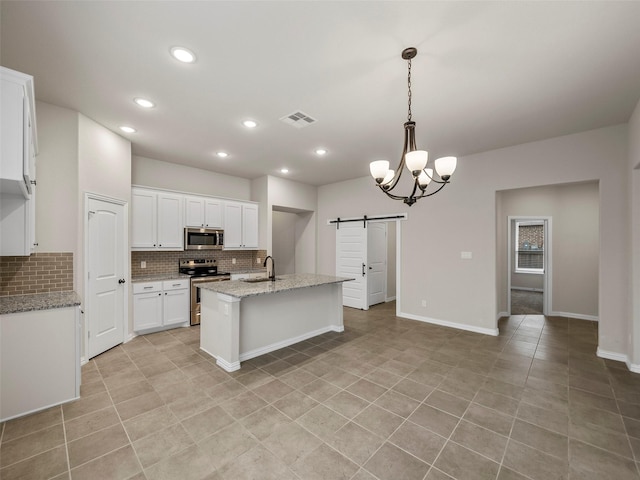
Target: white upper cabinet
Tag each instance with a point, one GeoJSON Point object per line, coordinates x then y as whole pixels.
{"type": "Point", "coordinates": [18, 149]}
{"type": "Point", "coordinates": [156, 220]}
{"type": "Point", "coordinates": [170, 222]}
{"type": "Point", "coordinates": [203, 212]}
{"type": "Point", "coordinates": [240, 226]}
{"type": "Point", "coordinates": [19, 145]}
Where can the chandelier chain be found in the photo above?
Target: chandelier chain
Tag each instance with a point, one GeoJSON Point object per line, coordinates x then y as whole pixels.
{"type": "Point", "coordinates": [409, 92]}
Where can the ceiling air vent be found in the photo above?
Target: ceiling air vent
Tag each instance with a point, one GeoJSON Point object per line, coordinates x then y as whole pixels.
{"type": "Point", "coordinates": [298, 119]}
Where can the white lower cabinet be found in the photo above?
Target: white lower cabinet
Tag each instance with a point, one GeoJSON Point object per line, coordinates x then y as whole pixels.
{"type": "Point", "coordinates": [39, 360]}
{"type": "Point", "coordinates": [160, 305]}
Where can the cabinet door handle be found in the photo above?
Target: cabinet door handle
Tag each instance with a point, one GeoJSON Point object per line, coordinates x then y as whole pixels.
{"type": "Point", "coordinates": [363, 272]}
{"type": "Point", "coordinates": [122, 280]}
{"type": "Point", "coordinates": [147, 288]}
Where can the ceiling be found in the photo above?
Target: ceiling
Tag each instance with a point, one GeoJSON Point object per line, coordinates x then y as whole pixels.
{"type": "Point", "coordinates": [487, 75]}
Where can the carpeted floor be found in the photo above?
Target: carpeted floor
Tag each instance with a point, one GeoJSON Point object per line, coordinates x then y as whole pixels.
{"type": "Point", "coordinates": [526, 303]}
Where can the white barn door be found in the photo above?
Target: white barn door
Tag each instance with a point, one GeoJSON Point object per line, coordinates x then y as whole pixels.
{"type": "Point", "coordinates": [351, 261]}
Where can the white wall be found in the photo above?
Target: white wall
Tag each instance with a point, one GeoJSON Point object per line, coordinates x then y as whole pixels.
{"type": "Point", "coordinates": [463, 218]}
{"type": "Point", "coordinates": [284, 241]}
{"type": "Point", "coordinates": [57, 177]}
{"type": "Point", "coordinates": [573, 209]}
{"type": "Point", "coordinates": [158, 174]}
{"type": "Point", "coordinates": [633, 289]}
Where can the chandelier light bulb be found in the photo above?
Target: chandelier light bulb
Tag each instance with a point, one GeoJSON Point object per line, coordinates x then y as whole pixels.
{"type": "Point", "coordinates": [416, 161]}
{"type": "Point", "coordinates": [425, 177]}
{"type": "Point", "coordinates": [379, 170]}
{"type": "Point", "coordinates": [445, 167]}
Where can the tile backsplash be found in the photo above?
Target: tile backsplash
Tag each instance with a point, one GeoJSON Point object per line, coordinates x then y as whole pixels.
{"type": "Point", "coordinates": [167, 262]}
{"type": "Point", "coordinates": [38, 273]}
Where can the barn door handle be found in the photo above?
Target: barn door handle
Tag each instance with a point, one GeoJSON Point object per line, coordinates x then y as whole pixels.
{"type": "Point", "coordinates": [363, 267]}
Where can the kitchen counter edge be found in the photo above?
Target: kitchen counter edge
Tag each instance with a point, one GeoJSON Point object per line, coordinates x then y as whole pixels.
{"type": "Point", "coordinates": [242, 289]}
{"type": "Point", "coordinates": [38, 301]}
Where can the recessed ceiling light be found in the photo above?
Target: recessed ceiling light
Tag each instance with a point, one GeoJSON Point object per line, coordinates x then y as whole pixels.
{"type": "Point", "coordinates": [250, 123]}
{"type": "Point", "coordinates": [183, 54]}
{"type": "Point", "coordinates": [222, 154]}
{"type": "Point", "coordinates": [127, 129]}
{"type": "Point", "coordinates": [143, 102]}
{"type": "Point", "coordinates": [321, 151]}
{"type": "Point", "coordinates": [284, 170]}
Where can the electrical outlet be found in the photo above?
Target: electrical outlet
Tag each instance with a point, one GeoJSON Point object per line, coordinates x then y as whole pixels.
{"type": "Point", "coordinates": [466, 255]}
{"type": "Point", "coordinates": [424, 303]}
{"type": "Point", "coordinates": [143, 264]}
{"type": "Point", "coordinates": [258, 259]}
{"type": "Point", "coordinates": [233, 260]}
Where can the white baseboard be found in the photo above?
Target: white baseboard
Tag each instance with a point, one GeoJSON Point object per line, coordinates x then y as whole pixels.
{"type": "Point", "coordinates": [502, 314]}
{"type": "Point", "coordinates": [39, 409]}
{"type": "Point", "coordinates": [289, 341]}
{"type": "Point", "coordinates": [579, 316]}
{"type": "Point", "coordinates": [390, 299]}
{"type": "Point", "coordinates": [459, 326]}
{"type": "Point", "coordinates": [618, 357]}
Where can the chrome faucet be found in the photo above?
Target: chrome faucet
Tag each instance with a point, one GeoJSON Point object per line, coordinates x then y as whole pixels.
{"type": "Point", "coordinates": [272, 277]}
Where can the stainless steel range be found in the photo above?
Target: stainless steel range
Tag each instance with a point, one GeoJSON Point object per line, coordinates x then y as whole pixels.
{"type": "Point", "coordinates": [201, 270]}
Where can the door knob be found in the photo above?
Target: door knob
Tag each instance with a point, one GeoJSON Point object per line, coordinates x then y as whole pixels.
{"type": "Point", "coordinates": [122, 280]}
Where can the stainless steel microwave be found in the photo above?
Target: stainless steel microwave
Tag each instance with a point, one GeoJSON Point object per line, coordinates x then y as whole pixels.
{"type": "Point", "coordinates": [203, 239]}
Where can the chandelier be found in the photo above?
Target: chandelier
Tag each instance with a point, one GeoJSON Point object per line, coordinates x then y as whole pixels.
{"type": "Point", "coordinates": [415, 160]}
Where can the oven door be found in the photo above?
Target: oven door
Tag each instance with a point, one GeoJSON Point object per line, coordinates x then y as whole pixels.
{"type": "Point", "coordinates": [195, 295]}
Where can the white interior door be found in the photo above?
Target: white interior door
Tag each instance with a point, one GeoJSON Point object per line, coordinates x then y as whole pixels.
{"type": "Point", "coordinates": [106, 260]}
{"type": "Point", "coordinates": [351, 258]}
{"type": "Point", "coordinates": [377, 262]}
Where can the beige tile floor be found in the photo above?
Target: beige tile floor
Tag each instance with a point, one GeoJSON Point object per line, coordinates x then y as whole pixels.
{"type": "Point", "coordinates": [388, 399]}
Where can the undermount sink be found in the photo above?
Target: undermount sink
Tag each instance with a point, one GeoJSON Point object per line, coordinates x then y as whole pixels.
{"type": "Point", "coordinates": [258, 280]}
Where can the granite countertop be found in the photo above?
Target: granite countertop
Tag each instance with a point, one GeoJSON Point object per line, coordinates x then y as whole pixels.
{"type": "Point", "coordinates": [159, 277]}
{"type": "Point", "coordinates": [38, 301]}
{"type": "Point", "coordinates": [248, 270]}
{"type": "Point", "coordinates": [241, 289]}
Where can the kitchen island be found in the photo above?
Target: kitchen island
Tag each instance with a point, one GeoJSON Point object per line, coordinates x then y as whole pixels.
{"type": "Point", "coordinates": [243, 319]}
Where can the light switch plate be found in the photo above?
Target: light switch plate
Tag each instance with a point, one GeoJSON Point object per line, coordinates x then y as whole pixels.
{"type": "Point", "coordinates": [466, 255]}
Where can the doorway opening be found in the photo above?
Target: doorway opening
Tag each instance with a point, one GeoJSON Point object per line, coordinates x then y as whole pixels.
{"type": "Point", "coordinates": [529, 265]}
{"type": "Point", "coordinates": [367, 250]}
{"type": "Point", "coordinates": [293, 240]}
